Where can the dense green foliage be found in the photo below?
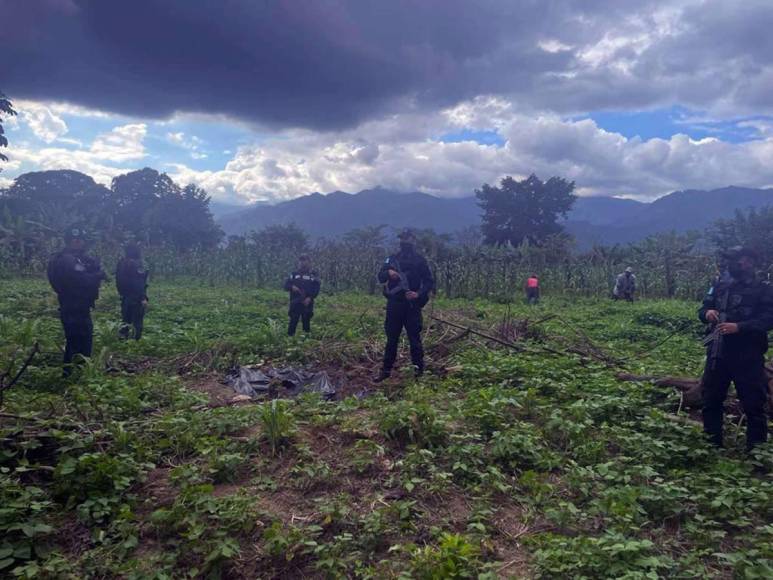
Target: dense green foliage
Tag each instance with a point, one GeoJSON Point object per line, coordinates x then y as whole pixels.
{"type": "Point", "coordinates": [524, 210]}
{"type": "Point", "coordinates": [6, 108]}
{"type": "Point", "coordinates": [181, 240]}
{"type": "Point", "coordinates": [528, 463]}
{"type": "Point", "coordinates": [143, 206]}
{"type": "Point", "coordinates": [665, 265]}
{"type": "Point", "coordinates": [753, 228]}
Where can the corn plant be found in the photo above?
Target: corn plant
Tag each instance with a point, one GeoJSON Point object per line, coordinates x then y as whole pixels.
{"type": "Point", "coordinates": [278, 424]}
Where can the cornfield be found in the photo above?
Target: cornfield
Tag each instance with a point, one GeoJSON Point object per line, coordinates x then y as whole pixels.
{"type": "Point", "coordinates": [463, 272]}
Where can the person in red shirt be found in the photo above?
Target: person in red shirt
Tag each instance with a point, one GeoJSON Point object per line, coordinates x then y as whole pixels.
{"type": "Point", "coordinates": [532, 289]}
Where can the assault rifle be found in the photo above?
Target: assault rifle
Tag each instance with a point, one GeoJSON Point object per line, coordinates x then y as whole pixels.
{"type": "Point", "coordinates": [94, 266]}
{"type": "Point", "coordinates": [715, 340]}
{"type": "Point", "coordinates": [402, 283]}
{"type": "Point", "coordinates": [299, 296]}
{"type": "Point", "coordinates": [401, 286]}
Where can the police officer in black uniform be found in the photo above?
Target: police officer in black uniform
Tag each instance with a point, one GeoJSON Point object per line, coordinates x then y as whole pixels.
{"type": "Point", "coordinates": [741, 309]}
{"type": "Point", "coordinates": [131, 280]}
{"type": "Point", "coordinates": [303, 286]}
{"type": "Point", "coordinates": [75, 277]}
{"type": "Point", "coordinates": [407, 282]}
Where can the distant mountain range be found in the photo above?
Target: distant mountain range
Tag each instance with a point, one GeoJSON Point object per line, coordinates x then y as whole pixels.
{"type": "Point", "coordinates": [602, 220]}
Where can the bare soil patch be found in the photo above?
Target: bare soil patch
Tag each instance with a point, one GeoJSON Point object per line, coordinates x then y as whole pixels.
{"type": "Point", "coordinates": [218, 393]}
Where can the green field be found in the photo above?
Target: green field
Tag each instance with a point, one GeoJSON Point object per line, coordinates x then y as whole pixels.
{"type": "Point", "coordinates": [533, 461]}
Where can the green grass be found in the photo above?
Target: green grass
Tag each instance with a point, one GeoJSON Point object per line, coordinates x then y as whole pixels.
{"type": "Point", "coordinates": [534, 464]}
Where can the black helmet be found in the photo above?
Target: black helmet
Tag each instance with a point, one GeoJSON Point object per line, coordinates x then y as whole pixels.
{"type": "Point", "coordinates": [407, 235]}
{"type": "Point", "coordinates": [75, 233]}
{"type": "Point", "coordinates": [737, 252]}
{"type": "Point", "coordinates": [132, 251]}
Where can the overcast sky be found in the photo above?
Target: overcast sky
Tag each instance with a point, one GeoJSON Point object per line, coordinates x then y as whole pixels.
{"type": "Point", "coordinates": [269, 100]}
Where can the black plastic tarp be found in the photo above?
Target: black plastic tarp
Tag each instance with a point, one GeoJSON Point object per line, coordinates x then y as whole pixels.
{"type": "Point", "coordinates": [284, 382]}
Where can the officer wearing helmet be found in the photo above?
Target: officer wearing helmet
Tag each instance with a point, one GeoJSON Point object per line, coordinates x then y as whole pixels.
{"type": "Point", "coordinates": [131, 281]}
{"type": "Point", "coordinates": [303, 285]}
{"type": "Point", "coordinates": [407, 282]}
{"type": "Point", "coordinates": [740, 309]}
{"type": "Point", "coordinates": [75, 277]}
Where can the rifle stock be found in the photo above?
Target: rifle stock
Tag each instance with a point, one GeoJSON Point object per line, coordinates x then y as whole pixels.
{"type": "Point", "coordinates": [402, 286]}
{"type": "Point", "coordinates": [715, 340]}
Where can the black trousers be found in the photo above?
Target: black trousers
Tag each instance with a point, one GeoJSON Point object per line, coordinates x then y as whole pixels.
{"type": "Point", "coordinates": [401, 315]}
{"type": "Point", "coordinates": [532, 295]}
{"type": "Point", "coordinates": [301, 312]}
{"type": "Point", "coordinates": [747, 373]}
{"type": "Point", "coordinates": [132, 315]}
{"type": "Point", "coordinates": [78, 334]}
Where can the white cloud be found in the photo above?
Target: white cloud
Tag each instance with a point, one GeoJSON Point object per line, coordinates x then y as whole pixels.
{"type": "Point", "coordinates": [403, 152]}
{"type": "Point", "coordinates": [192, 144]}
{"type": "Point", "coordinates": [553, 46]}
{"type": "Point", "coordinates": [11, 123]}
{"type": "Point", "coordinates": [60, 108]}
{"type": "Point", "coordinates": [70, 141]}
{"type": "Point", "coordinates": [483, 112]}
{"type": "Point", "coordinates": [124, 143]}
{"type": "Point", "coordinates": [407, 157]}
{"type": "Point", "coordinates": [43, 122]}
{"type": "Point", "coordinates": [763, 127]}
{"type": "Point", "coordinates": [176, 138]}
{"type": "Point", "coordinates": [121, 145]}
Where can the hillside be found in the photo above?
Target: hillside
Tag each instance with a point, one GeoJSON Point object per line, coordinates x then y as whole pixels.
{"type": "Point", "coordinates": [339, 212]}
{"type": "Point", "coordinates": [604, 220]}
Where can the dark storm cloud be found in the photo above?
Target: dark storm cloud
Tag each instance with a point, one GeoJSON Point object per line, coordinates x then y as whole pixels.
{"type": "Point", "coordinates": [325, 64]}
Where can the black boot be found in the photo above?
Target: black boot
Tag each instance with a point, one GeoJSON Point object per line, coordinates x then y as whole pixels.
{"type": "Point", "coordinates": [382, 376]}
{"type": "Point", "coordinates": [418, 371]}
{"type": "Point", "coordinates": [123, 332]}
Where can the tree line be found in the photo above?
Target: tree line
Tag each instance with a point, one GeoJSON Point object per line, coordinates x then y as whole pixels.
{"type": "Point", "coordinates": [143, 206]}
{"type": "Point", "coordinates": [180, 238]}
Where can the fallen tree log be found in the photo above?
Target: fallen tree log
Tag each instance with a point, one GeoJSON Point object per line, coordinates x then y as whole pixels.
{"type": "Point", "coordinates": [690, 387]}
{"type": "Point", "coordinates": [681, 383]}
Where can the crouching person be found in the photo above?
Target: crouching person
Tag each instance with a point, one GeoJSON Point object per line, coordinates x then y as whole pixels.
{"type": "Point", "coordinates": [303, 285]}
{"type": "Point", "coordinates": [532, 289]}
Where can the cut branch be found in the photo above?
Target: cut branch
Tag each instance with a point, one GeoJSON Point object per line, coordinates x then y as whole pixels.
{"type": "Point", "coordinates": [6, 386]}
